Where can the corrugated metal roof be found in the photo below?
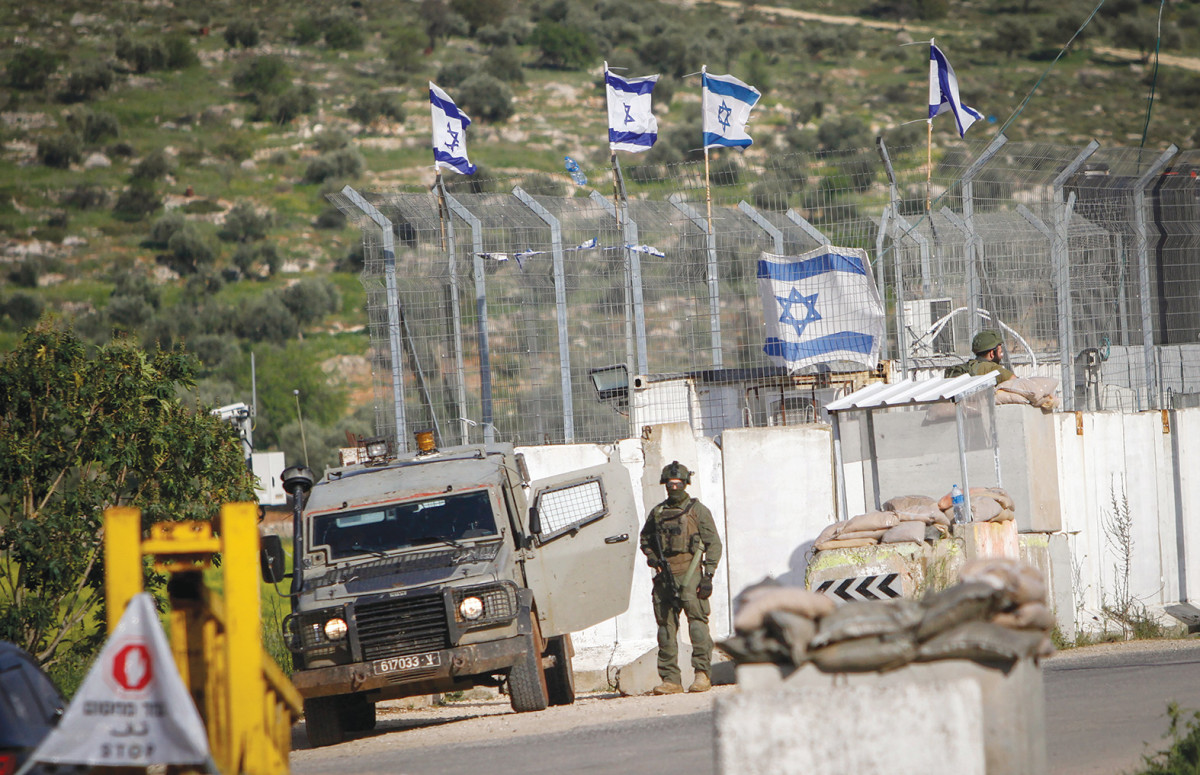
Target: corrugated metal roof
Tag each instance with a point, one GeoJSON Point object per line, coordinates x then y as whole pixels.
{"type": "Point", "coordinates": [909, 392]}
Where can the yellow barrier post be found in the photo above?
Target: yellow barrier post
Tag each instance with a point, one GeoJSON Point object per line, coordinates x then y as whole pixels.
{"type": "Point", "coordinates": [122, 560]}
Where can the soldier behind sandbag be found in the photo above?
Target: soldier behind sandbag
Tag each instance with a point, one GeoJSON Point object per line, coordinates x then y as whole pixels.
{"type": "Point", "coordinates": [681, 543]}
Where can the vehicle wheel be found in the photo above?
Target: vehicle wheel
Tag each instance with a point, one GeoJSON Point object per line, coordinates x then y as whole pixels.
{"type": "Point", "coordinates": [323, 722]}
{"type": "Point", "coordinates": [560, 679]}
{"type": "Point", "coordinates": [527, 679]}
{"type": "Point", "coordinates": [358, 713]}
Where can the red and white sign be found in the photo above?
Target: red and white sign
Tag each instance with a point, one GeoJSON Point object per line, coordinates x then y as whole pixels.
{"type": "Point", "coordinates": [132, 669]}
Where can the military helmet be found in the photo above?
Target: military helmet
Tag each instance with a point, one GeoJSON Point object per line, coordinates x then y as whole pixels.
{"type": "Point", "coordinates": [675, 470]}
{"type": "Point", "coordinates": [985, 341]}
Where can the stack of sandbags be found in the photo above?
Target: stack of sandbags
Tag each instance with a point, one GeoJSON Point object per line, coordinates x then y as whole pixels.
{"type": "Point", "coordinates": [995, 615]}
{"type": "Point", "coordinates": [1035, 391]}
{"type": "Point", "coordinates": [988, 504]}
{"type": "Point", "coordinates": [904, 518]}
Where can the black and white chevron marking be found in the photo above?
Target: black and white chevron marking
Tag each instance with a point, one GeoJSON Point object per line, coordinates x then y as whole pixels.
{"type": "Point", "coordinates": [883, 587]}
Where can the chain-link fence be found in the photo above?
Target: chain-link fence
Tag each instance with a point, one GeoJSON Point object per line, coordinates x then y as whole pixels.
{"type": "Point", "coordinates": [525, 306]}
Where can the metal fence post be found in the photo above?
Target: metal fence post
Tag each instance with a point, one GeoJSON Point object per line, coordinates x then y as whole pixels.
{"type": "Point", "coordinates": [481, 316]}
{"type": "Point", "coordinates": [1061, 258]}
{"type": "Point", "coordinates": [714, 287]}
{"type": "Point", "coordinates": [974, 294]}
{"type": "Point", "coordinates": [635, 307]}
{"type": "Point", "coordinates": [393, 311]}
{"type": "Point", "coordinates": [771, 229]}
{"type": "Point", "coordinates": [1143, 243]}
{"type": "Point", "coordinates": [560, 303]}
{"type": "Point", "coordinates": [808, 228]}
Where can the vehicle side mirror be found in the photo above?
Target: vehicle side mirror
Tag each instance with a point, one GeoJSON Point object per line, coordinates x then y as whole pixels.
{"type": "Point", "coordinates": [271, 556]}
{"type": "Point", "coordinates": [535, 521]}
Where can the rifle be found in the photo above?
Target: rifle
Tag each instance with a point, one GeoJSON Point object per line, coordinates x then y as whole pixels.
{"type": "Point", "coordinates": [663, 568]}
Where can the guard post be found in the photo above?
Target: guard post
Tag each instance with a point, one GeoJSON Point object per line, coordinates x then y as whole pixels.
{"type": "Point", "coordinates": [247, 704]}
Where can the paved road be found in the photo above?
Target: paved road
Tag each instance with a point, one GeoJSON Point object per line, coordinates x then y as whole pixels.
{"type": "Point", "coordinates": [1105, 708]}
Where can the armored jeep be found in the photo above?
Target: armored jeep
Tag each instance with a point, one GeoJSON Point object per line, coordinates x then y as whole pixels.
{"type": "Point", "coordinates": [442, 570]}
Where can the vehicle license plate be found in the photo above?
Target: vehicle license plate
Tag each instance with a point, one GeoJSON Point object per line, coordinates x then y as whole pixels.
{"type": "Point", "coordinates": [411, 662]}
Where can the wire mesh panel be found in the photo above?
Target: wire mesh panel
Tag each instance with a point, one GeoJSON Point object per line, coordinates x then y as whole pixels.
{"type": "Point", "coordinates": [509, 303]}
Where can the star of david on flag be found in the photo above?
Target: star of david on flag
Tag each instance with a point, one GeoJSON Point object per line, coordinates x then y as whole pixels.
{"type": "Point", "coordinates": [449, 133]}
{"type": "Point", "coordinates": [726, 102]}
{"type": "Point", "coordinates": [631, 124]}
{"type": "Point", "coordinates": [821, 307]}
{"type": "Point", "coordinates": [943, 92]}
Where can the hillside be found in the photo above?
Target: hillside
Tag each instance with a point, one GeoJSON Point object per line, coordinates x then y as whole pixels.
{"type": "Point", "coordinates": [164, 164]}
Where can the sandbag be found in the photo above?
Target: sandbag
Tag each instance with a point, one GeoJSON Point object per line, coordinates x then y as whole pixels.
{"type": "Point", "coordinates": [1004, 515]}
{"type": "Point", "coordinates": [920, 508]}
{"type": "Point", "coordinates": [874, 535]}
{"type": "Point", "coordinates": [859, 619]}
{"type": "Point", "coordinates": [1020, 583]}
{"type": "Point", "coordinates": [1030, 616]}
{"type": "Point", "coordinates": [754, 647]}
{"type": "Point", "coordinates": [753, 604]}
{"type": "Point", "coordinates": [792, 630]}
{"type": "Point", "coordinates": [983, 509]}
{"type": "Point", "coordinates": [852, 543]}
{"type": "Point", "coordinates": [965, 602]}
{"type": "Point", "coordinates": [998, 494]}
{"type": "Point", "coordinates": [864, 654]}
{"type": "Point", "coordinates": [830, 532]}
{"type": "Point", "coordinates": [1033, 389]}
{"type": "Point", "coordinates": [872, 520]}
{"type": "Point", "coordinates": [982, 642]}
{"type": "Point", "coordinates": [905, 532]}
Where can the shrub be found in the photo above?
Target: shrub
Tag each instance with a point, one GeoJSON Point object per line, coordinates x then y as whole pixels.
{"type": "Point", "coordinates": [59, 151]}
{"type": "Point", "coordinates": [452, 75]}
{"type": "Point", "coordinates": [139, 285]}
{"type": "Point", "coordinates": [306, 30]}
{"type": "Point", "coordinates": [563, 46]}
{"type": "Point", "coordinates": [152, 167]}
{"type": "Point", "coordinates": [82, 84]}
{"type": "Point", "coordinates": [486, 97]}
{"type": "Point", "coordinates": [406, 49]}
{"type": "Point", "coordinates": [541, 184]}
{"type": "Point", "coordinates": [346, 163]}
{"type": "Point", "coordinates": [86, 196]}
{"type": "Point", "coordinates": [137, 201]}
{"type": "Point", "coordinates": [127, 313]}
{"type": "Point", "coordinates": [23, 309]}
{"type": "Point", "coordinates": [30, 68]}
{"type": "Point", "coordinates": [371, 105]}
{"type": "Point", "coordinates": [481, 12]}
{"type": "Point", "coordinates": [241, 32]}
{"type": "Point", "coordinates": [141, 55]}
{"type": "Point", "coordinates": [165, 227]}
{"type": "Point", "coordinates": [266, 319]}
{"type": "Point", "coordinates": [244, 224]}
{"type": "Point", "coordinates": [506, 65]}
{"type": "Point", "coordinates": [178, 53]}
{"type": "Point", "coordinates": [844, 132]}
{"type": "Point", "coordinates": [267, 74]}
{"type": "Point", "coordinates": [331, 218]}
{"type": "Point", "coordinates": [26, 274]}
{"type": "Point", "coordinates": [344, 34]}
{"type": "Point", "coordinates": [311, 300]}
{"type": "Point", "coordinates": [94, 125]}
{"type": "Point", "coordinates": [283, 108]}
{"type": "Point", "coordinates": [190, 248]}
{"type": "Point", "coordinates": [331, 140]}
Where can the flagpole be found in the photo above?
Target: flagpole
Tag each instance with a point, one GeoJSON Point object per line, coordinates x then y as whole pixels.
{"type": "Point", "coordinates": [440, 185]}
{"type": "Point", "coordinates": [928, 149]}
{"type": "Point", "coordinates": [707, 185]}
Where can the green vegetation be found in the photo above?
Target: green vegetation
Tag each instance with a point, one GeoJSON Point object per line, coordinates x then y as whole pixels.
{"type": "Point", "coordinates": [1182, 755]}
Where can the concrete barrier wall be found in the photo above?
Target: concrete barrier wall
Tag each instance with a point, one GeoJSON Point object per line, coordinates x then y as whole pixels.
{"type": "Point", "coordinates": [771, 491]}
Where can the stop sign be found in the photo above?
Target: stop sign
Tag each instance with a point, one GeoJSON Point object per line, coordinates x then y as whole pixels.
{"type": "Point", "coordinates": [131, 667]}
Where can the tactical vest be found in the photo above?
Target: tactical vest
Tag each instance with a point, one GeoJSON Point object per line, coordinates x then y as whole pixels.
{"type": "Point", "coordinates": [678, 535]}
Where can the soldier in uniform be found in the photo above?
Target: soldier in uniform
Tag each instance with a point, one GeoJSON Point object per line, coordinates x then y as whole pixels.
{"type": "Point", "coordinates": [680, 542]}
{"type": "Point", "coordinates": [988, 347]}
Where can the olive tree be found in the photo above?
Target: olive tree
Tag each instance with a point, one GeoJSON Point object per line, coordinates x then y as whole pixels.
{"type": "Point", "coordinates": [81, 431]}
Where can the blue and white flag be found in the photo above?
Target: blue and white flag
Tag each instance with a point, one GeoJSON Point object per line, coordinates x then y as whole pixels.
{"type": "Point", "coordinates": [631, 124]}
{"type": "Point", "coordinates": [449, 132]}
{"type": "Point", "coordinates": [726, 103]}
{"type": "Point", "coordinates": [821, 307]}
{"type": "Point", "coordinates": [943, 92]}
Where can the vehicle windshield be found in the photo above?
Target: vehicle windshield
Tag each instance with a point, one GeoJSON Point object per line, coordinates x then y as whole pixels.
{"type": "Point", "coordinates": [446, 520]}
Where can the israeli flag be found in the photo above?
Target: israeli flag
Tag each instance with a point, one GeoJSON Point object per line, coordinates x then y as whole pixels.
{"type": "Point", "coordinates": [631, 124]}
{"type": "Point", "coordinates": [821, 307]}
{"type": "Point", "coordinates": [726, 103]}
{"type": "Point", "coordinates": [449, 133]}
{"type": "Point", "coordinates": [943, 92]}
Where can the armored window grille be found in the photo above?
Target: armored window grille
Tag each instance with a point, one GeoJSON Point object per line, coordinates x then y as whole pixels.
{"type": "Point", "coordinates": [568, 508]}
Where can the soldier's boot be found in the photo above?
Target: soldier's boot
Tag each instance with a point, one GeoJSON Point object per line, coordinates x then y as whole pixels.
{"type": "Point", "coordinates": [701, 684]}
{"type": "Point", "coordinates": [666, 687]}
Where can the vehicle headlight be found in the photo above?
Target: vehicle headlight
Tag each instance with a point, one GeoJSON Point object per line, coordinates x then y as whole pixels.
{"type": "Point", "coordinates": [471, 608]}
{"type": "Point", "coordinates": [335, 629]}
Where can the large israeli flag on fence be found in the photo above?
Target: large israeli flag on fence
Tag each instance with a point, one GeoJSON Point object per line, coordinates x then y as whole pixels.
{"type": "Point", "coordinates": [943, 92]}
{"type": "Point", "coordinates": [821, 307]}
{"type": "Point", "coordinates": [449, 132]}
{"type": "Point", "coordinates": [726, 103]}
{"type": "Point", "coordinates": [631, 124]}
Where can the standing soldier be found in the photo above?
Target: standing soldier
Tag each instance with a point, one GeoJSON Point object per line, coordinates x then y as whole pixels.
{"type": "Point", "coordinates": [680, 542]}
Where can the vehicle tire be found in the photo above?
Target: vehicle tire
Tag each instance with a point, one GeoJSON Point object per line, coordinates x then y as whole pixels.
{"type": "Point", "coordinates": [527, 680]}
{"type": "Point", "coordinates": [323, 721]}
{"type": "Point", "coordinates": [560, 679]}
{"type": "Point", "coordinates": [358, 713]}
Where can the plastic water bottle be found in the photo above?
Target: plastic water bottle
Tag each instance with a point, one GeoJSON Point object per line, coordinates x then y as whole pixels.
{"type": "Point", "coordinates": [960, 505]}
{"type": "Point", "coordinates": [576, 174]}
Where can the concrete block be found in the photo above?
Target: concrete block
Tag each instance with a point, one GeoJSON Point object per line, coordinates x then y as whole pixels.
{"type": "Point", "coordinates": [1029, 466]}
{"type": "Point", "coordinates": [907, 560]}
{"type": "Point", "coordinates": [985, 540]}
{"type": "Point", "coordinates": [952, 716]}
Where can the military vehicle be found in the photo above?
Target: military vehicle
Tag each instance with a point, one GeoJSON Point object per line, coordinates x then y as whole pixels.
{"type": "Point", "coordinates": [441, 570]}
